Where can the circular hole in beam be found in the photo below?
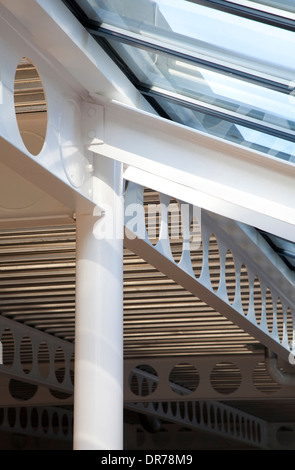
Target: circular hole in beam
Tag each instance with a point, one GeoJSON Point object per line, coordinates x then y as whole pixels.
{"type": "Point", "coordinates": [225, 378]}
{"type": "Point", "coordinates": [184, 379]}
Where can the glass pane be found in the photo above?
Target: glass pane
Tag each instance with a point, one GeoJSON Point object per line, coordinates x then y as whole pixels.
{"type": "Point", "coordinates": [199, 29]}
{"type": "Point", "coordinates": [255, 140]}
{"type": "Point", "coordinates": [207, 87]}
{"type": "Point", "coordinates": [282, 244]}
{"type": "Point", "coordinates": [285, 248]}
{"type": "Point", "coordinates": [287, 5]}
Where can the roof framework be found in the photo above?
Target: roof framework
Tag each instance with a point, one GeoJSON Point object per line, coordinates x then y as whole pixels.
{"type": "Point", "coordinates": [172, 322]}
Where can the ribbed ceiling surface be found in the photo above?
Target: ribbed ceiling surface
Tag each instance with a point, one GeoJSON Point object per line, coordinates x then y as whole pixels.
{"type": "Point", "coordinates": [37, 273]}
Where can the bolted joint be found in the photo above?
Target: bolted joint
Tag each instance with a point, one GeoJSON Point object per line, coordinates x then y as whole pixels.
{"type": "Point", "coordinates": [92, 123]}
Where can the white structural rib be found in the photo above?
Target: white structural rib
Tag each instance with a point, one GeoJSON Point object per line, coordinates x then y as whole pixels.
{"type": "Point", "coordinates": [245, 251]}
{"type": "Point", "coordinates": [219, 176]}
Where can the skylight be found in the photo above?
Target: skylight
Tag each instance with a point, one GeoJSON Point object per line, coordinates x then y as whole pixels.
{"type": "Point", "coordinates": [217, 72]}
{"type": "Point", "coordinates": [223, 67]}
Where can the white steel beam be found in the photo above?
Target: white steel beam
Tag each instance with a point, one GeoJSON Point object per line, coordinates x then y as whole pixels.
{"type": "Point", "coordinates": [50, 423]}
{"type": "Point", "coordinates": [20, 342]}
{"type": "Point", "coordinates": [215, 377]}
{"type": "Point", "coordinates": [61, 168]}
{"type": "Point", "coordinates": [219, 176]}
{"type": "Point", "coordinates": [216, 418]}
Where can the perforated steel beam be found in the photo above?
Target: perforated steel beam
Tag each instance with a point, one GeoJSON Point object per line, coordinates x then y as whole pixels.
{"type": "Point", "coordinates": [38, 369]}
{"type": "Point", "coordinates": [216, 418]}
{"type": "Point", "coordinates": [215, 377]}
{"type": "Point", "coordinates": [60, 167]}
{"type": "Point", "coordinates": [36, 357]}
{"type": "Point", "coordinates": [270, 326]}
{"type": "Point", "coordinates": [50, 423]}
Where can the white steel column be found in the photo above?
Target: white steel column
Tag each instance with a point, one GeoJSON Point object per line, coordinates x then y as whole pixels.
{"type": "Point", "coordinates": [98, 391]}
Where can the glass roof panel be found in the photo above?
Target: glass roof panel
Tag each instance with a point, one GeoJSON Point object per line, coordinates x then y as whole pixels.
{"type": "Point", "coordinates": [283, 8]}
{"type": "Point", "coordinates": [218, 127]}
{"type": "Point", "coordinates": [229, 75]}
{"type": "Point", "coordinates": [231, 98]}
{"type": "Point", "coordinates": [200, 29]}
{"type": "Point", "coordinates": [212, 70]}
{"type": "Point", "coordinates": [287, 5]}
{"type": "Point", "coordinates": [284, 248]}
{"type": "Point", "coordinates": [223, 66]}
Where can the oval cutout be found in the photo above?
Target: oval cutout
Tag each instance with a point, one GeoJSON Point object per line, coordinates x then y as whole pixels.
{"type": "Point", "coordinates": [8, 348]}
{"type": "Point", "coordinates": [152, 211]}
{"type": "Point", "coordinates": [244, 289]}
{"type": "Point", "coordinates": [26, 354]}
{"type": "Point", "coordinates": [30, 106]}
{"type": "Point", "coordinates": [290, 327]}
{"type": "Point", "coordinates": [184, 379]}
{"type": "Point", "coordinates": [59, 363]}
{"type": "Point", "coordinates": [196, 246]}
{"type": "Point", "coordinates": [175, 229]}
{"type": "Point", "coordinates": [43, 360]}
{"type": "Point", "coordinates": [257, 295]}
{"type": "Point", "coordinates": [280, 319]}
{"type": "Point", "coordinates": [214, 262]}
{"type": "Point", "coordinates": [230, 276]}
{"type": "Point", "coordinates": [225, 378]}
{"type": "Point", "coordinates": [269, 309]}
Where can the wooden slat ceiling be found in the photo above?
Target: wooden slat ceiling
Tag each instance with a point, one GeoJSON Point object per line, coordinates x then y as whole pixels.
{"type": "Point", "coordinates": [37, 287]}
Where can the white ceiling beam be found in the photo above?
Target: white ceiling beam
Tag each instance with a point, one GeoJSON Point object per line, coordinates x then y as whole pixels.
{"type": "Point", "coordinates": [219, 176]}
{"type": "Point", "coordinates": [25, 350]}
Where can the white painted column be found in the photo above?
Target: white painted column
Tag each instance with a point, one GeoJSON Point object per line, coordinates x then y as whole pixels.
{"type": "Point", "coordinates": [98, 389]}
